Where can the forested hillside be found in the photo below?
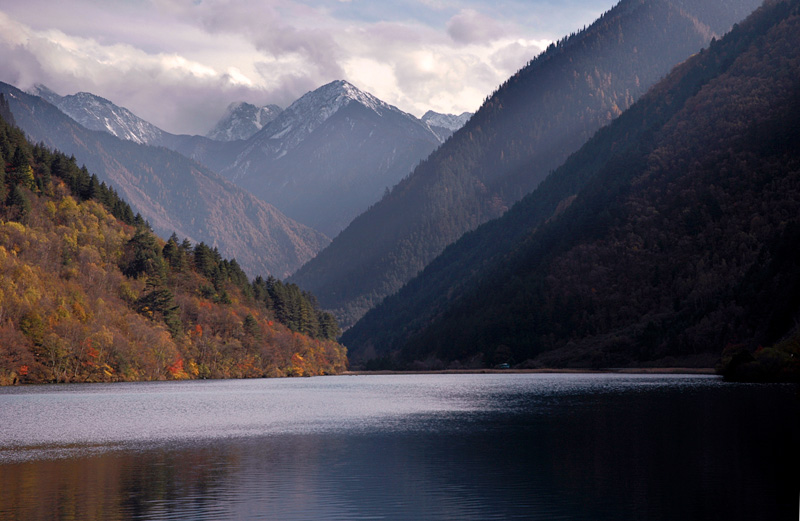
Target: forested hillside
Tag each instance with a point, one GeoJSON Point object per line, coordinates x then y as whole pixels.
{"type": "Point", "coordinates": [523, 131]}
{"type": "Point", "coordinates": [671, 237]}
{"type": "Point", "coordinates": [174, 193]}
{"type": "Point", "coordinates": [88, 293]}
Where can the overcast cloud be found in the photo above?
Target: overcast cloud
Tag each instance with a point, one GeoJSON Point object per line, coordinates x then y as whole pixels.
{"type": "Point", "coordinates": [179, 63]}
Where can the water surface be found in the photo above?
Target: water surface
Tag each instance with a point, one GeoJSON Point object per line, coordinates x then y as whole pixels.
{"type": "Point", "coordinates": [433, 447]}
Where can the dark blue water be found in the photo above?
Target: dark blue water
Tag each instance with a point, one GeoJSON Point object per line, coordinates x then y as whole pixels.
{"type": "Point", "coordinates": [422, 447]}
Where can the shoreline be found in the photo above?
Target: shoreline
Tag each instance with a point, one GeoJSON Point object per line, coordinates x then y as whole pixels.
{"type": "Point", "coordinates": [635, 370]}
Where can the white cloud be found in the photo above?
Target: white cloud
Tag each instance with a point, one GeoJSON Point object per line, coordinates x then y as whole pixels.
{"type": "Point", "coordinates": [470, 26]}
{"type": "Point", "coordinates": [179, 63]}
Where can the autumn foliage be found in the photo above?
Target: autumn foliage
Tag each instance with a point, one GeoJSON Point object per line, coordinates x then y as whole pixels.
{"type": "Point", "coordinates": [89, 294]}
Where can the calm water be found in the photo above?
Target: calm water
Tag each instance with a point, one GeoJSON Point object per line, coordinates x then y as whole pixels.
{"type": "Point", "coordinates": [427, 447]}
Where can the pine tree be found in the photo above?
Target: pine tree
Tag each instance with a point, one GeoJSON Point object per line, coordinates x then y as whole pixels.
{"type": "Point", "coordinates": [19, 202]}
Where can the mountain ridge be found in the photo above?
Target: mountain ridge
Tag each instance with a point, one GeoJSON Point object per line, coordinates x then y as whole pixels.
{"type": "Point", "coordinates": [444, 125]}
{"type": "Point", "coordinates": [369, 153]}
{"type": "Point", "coordinates": [174, 193]}
{"type": "Point", "coordinates": [242, 120]}
{"type": "Point", "coordinates": [97, 113]}
{"type": "Point", "coordinates": [325, 177]}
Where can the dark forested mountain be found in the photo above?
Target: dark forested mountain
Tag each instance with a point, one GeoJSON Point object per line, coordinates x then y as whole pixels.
{"type": "Point", "coordinates": [175, 194]}
{"type": "Point", "coordinates": [242, 120]}
{"type": "Point", "coordinates": [672, 236]}
{"type": "Point", "coordinates": [89, 294]}
{"type": "Point", "coordinates": [330, 155]}
{"type": "Point", "coordinates": [527, 128]}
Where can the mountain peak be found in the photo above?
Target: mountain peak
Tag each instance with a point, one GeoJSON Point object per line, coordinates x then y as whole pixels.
{"type": "Point", "coordinates": [444, 125]}
{"type": "Point", "coordinates": [97, 113]}
{"type": "Point", "coordinates": [242, 120]}
{"type": "Point", "coordinates": [336, 94]}
{"type": "Point", "coordinates": [306, 114]}
{"type": "Point", "coordinates": [450, 121]}
{"type": "Point", "coordinates": [44, 92]}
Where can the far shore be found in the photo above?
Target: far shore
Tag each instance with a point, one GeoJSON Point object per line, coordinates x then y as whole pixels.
{"type": "Point", "coordinates": [636, 370]}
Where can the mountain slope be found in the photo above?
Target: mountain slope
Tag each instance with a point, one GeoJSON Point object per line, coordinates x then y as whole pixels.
{"type": "Point", "coordinates": [322, 161]}
{"type": "Point", "coordinates": [526, 129]}
{"type": "Point", "coordinates": [242, 120]}
{"type": "Point", "coordinates": [175, 194]}
{"type": "Point", "coordinates": [331, 154]}
{"type": "Point", "coordinates": [672, 233]}
{"type": "Point", "coordinates": [96, 113]}
{"type": "Point", "coordinates": [87, 297]}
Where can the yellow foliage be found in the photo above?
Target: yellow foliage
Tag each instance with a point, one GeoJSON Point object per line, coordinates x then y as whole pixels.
{"type": "Point", "coordinates": [126, 292]}
{"type": "Point", "coordinates": [78, 312]}
{"type": "Point", "coordinates": [50, 209]}
{"type": "Point", "coordinates": [103, 339]}
{"type": "Point", "coordinates": [63, 267]}
{"type": "Point", "coordinates": [67, 207]}
{"type": "Point", "coordinates": [13, 226]}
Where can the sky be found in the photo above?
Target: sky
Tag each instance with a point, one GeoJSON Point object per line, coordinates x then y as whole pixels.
{"type": "Point", "coordinates": [180, 63]}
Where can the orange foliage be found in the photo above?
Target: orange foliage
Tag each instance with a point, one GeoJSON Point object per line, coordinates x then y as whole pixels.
{"type": "Point", "coordinates": [67, 313]}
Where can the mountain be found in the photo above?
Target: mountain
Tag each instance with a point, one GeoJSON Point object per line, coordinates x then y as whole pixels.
{"type": "Point", "coordinates": [96, 113]}
{"type": "Point", "coordinates": [174, 193]}
{"type": "Point", "coordinates": [330, 155]}
{"type": "Point", "coordinates": [443, 125]}
{"type": "Point", "coordinates": [242, 120]}
{"type": "Point", "coordinates": [89, 294]}
{"type": "Point", "coordinates": [524, 130]}
{"type": "Point", "coordinates": [322, 161]}
{"type": "Point", "coordinates": [671, 237]}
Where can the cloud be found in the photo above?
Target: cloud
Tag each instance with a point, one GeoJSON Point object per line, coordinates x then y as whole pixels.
{"type": "Point", "coordinates": [512, 55]}
{"type": "Point", "coordinates": [172, 91]}
{"type": "Point", "coordinates": [179, 63]}
{"type": "Point", "coordinates": [470, 26]}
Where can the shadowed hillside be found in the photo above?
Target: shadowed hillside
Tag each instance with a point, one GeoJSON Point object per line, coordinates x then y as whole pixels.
{"type": "Point", "coordinates": [524, 130]}
{"type": "Point", "coordinates": [670, 237]}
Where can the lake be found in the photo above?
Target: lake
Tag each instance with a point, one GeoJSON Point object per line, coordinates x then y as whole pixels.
{"type": "Point", "coordinates": [402, 447]}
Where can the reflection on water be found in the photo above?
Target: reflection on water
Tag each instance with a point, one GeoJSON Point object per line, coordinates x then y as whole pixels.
{"type": "Point", "coordinates": [439, 447]}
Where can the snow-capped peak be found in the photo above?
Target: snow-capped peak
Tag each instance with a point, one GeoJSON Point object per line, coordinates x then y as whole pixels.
{"type": "Point", "coordinates": [317, 106]}
{"type": "Point", "coordinates": [303, 116]}
{"type": "Point", "coordinates": [300, 119]}
{"type": "Point", "coordinates": [242, 120]}
{"type": "Point", "coordinates": [444, 125]}
{"type": "Point", "coordinates": [44, 92]}
{"type": "Point", "coordinates": [96, 113]}
{"type": "Point", "coordinates": [448, 121]}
